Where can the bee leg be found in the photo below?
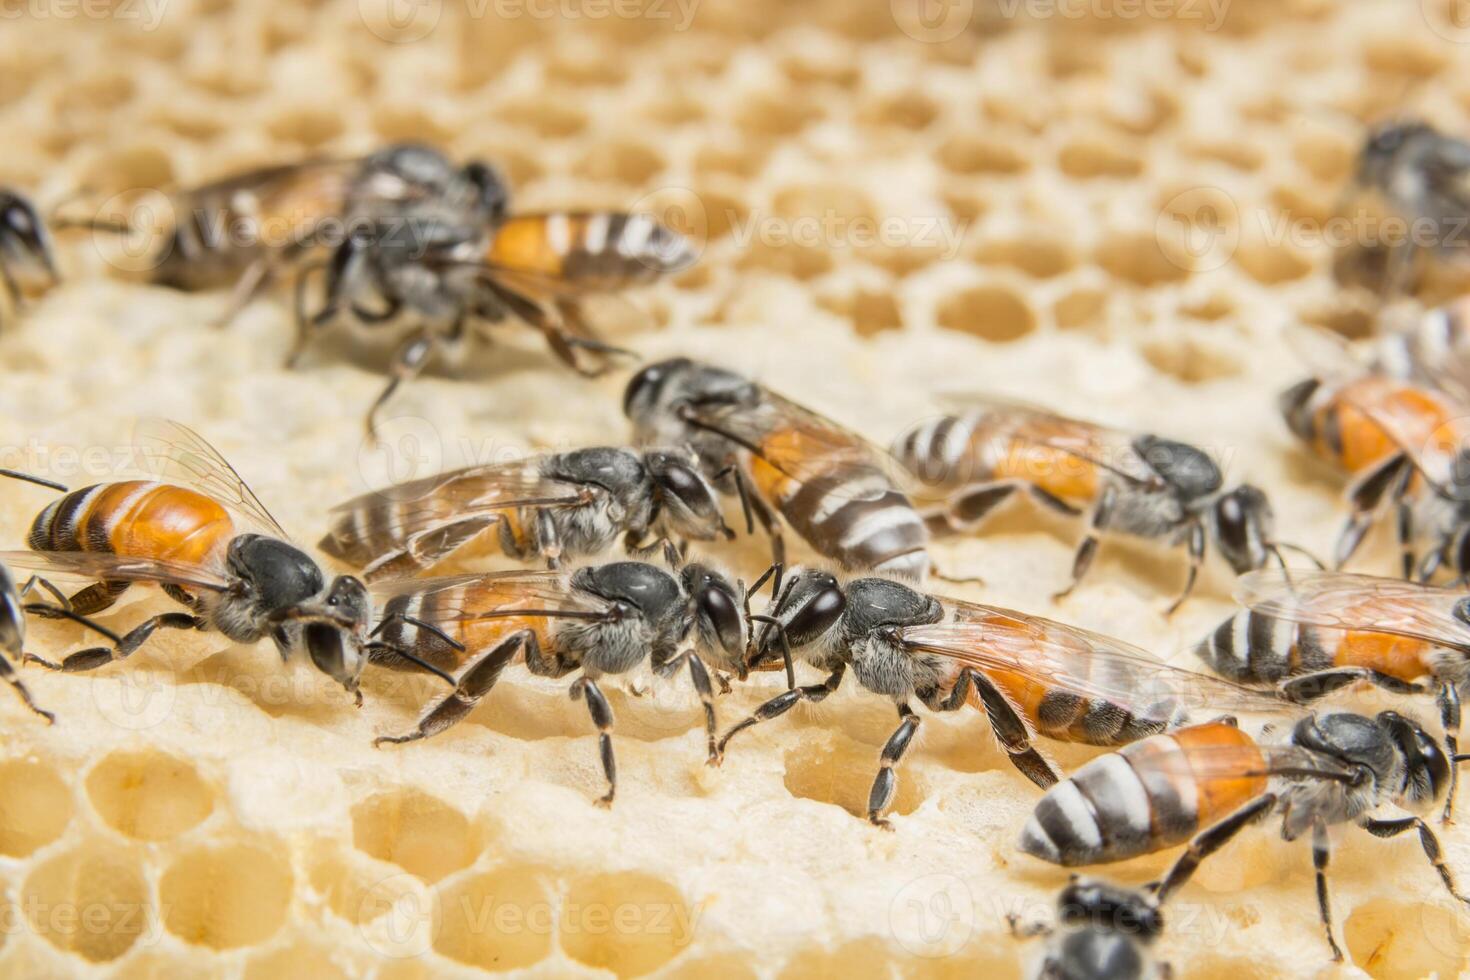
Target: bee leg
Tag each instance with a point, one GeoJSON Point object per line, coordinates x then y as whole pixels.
{"type": "Point", "coordinates": [1210, 840]}
{"type": "Point", "coordinates": [1306, 688]}
{"type": "Point", "coordinates": [1102, 514]}
{"type": "Point", "coordinates": [699, 675]}
{"type": "Point", "coordinates": [247, 288]}
{"type": "Point", "coordinates": [9, 676]}
{"type": "Point", "coordinates": [1448, 699]}
{"type": "Point", "coordinates": [94, 657]}
{"type": "Point", "coordinates": [782, 703]}
{"type": "Point", "coordinates": [408, 362]}
{"type": "Point", "coordinates": [886, 782]}
{"type": "Point", "coordinates": [12, 290]}
{"type": "Point", "coordinates": [37, 582]}
{"type": "Point", "coordinates": [1321, 853]}
{"type": "Point", "coordinates": [768, 519]}
{"type": "Point", "coordinates": [548, 538]}
{"type": "Point", "coordinates": [1364, 496]}
{"type": "Point", "coordinates": [1196, 559]}
{"type": "Point", "coordinates": [602, 717]}
{"type": "Point", "coordinates": [1427, 839]}
{"type": "Point", "coordinates": [474, 683]}
{"type": "Point", "coordinates": [1014, 735]}
{"type": "Point", "coordinates": [306, 323]}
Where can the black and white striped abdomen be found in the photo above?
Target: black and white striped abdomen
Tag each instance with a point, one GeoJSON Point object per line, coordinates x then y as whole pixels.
{"type": "Point", "coordinates": [1254, 648]}
{"type": "Point", "coordinates": [857, 517]}
{"type": "Point", "coordinates": [938, 452]}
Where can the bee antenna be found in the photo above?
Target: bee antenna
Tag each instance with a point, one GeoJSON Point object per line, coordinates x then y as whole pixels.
{"type": "Point", "coordinates": [1277, 547]}
{"type": "Point", "coordinates": [780, 629]}
{"type": "Point", "coordinates": [1462, 757]}
{"type": "Point", "coordinates": [38, 480]}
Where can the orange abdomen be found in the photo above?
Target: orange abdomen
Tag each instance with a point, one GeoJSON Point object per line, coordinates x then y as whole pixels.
{"type": "Point", "coordinates": [1061, 474]}
{"type": "Point", "coordinates": [136, 518]}
{"type": "Point", "coordinates": [1396, 656]}
{"type": "Point", "coordinates": [1205, 746]}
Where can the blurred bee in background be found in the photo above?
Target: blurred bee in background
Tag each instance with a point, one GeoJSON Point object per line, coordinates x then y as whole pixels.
{"type": "Point", "coordinates": [837, 491]}
{"type": "Point", "coordinates": [26, 251]}
{"type": "Point", "coordinates": [595, 620]}
{"type": "Point", "coordinates": [1029, 674]}
{"type": "Point", "coordinates": [554, 507]}
{"type": "Point", "coordinates": [1103, 931]}
{"type": "Point", "coordinates": [1408, 450]}
{"type": "Point", "coordinates": [540, 268]}
{"type": "Point", "coordinates": [248, 229]}
{"type": "Point", "coordinates": [1423, 177]}
{"type": "Point", "coordinates": [1136, 484]}
{"type": "Point", "coordinates": [1206, 783]}
{"type": "Point", "coordinates": [1313, 633]}
{"type": "Point", "coordinates": [208, 542]}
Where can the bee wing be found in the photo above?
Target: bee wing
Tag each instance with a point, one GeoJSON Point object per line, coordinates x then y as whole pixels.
{"type": "Point", "coordinates": [1237, 761]}
{"type": "Point", "coordinates": [294, 196]}
{"type": "Point", "coordinates": [1010, 422]}
{"type": "Point", "coordinates": [515, 593]}
{"type": "Point", "coordinates": [103, 566]}
{"type": "Point", "coordinates": [1324, 352]}
{"type": "Point", "coordinates": [1446, 170]}
{"type": "Point", "coordinates": [1428, 429]}
{"type": "Point", "coordinates": [576, 252]}
{"type": "Point", "coordinates": [807, 443]}
{"type": "Point", "coordinates": [1338, 600]}
{"type": "Point", "coordinates": [1078, 661]}
{"type": "Point", "coordinates": [174, 453]}
{"type": "Point", "coordinates": [416, 515]}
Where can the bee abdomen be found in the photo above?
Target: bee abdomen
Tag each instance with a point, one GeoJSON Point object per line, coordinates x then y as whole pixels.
{"type": "Point", "coordinates": [1104, 812]}
{"type": "Point", "coordinates": [938, 453]}
{"type": "Point", "coordinates": [1254, 648]}
{"type": "Point", "coordinates": [862, 521]}
{"type": "Point", "coordinates": [136, 518]}
{"type": "Point", "coordinates": [1070, 717]}
{"type": "Point", "coordinates": [403, 633]}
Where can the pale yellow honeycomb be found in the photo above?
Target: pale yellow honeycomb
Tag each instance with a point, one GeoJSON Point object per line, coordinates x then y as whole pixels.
{"type": "Point", "coordinates": [199, 812]}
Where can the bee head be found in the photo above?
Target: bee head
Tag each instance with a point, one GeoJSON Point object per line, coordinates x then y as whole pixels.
{"type": "Point", "coordinates": [1295, 404]}
{"type": "Point", "coordinates": [1097, 904]}
{"type": "Point", "coordinates": [1242, 522]}
{"type": "Point", "coordinates": [686, 498]}
{"type": "Point", "coordinates": [492, 193]}
{"type": "Point", "coordinates": [1427, 767]}
{"type": "Point", "coordinates": [335, 648]}
{"type": "Point", "coordinates": [810, 603]}
{"type": "Point", "coordinates": [1383, 145]}
{"type": "Point", "coordinates": [719, 617]}
{"type": "Point", "coordinates": [25, 244]}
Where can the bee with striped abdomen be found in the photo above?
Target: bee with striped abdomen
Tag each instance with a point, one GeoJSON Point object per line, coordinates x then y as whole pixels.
{"type": "Point", "coordinates": [1313, 633]}
{"type": "Point", "coordinates": [26, 252]}
{"type": "Point", "coordinates": [838, 492]}
{"type": "Point", "coordinates": [555, 507]}
{"type": "Point", "coordinates": [595, 620]}
{"type": "Point", "coordinates": [207, 541]}
{"type": "Point", "coordinates": [1136, 484]}
{"type": "Point", "coordinates": [1203, 785]}
{"type": "Point", "coordinates": [1032, 676]}
{"type": "Point", "coordinates": [537, 268]}
{"type": "Point", "coordinates": [1103, 931]}
{"type": "Point", "coordinates": [247, 229]}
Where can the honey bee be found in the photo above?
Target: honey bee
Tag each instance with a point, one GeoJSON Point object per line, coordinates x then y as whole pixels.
{"type": "Point", "coordinates": [595, 620]}
{"type": "Point", "coordinates": [556, 507]}
{"type": "Point", "coordinates": [538, 268]}
{"type": "Point", "coordinates": [1030, 675]}
{"type": "Point", "coordinates": [837, 491]}
{"type": "Point", "coordinates": [1136, 484]}
{"type": "Point", "coordinates": [1103, 932]}
{"type": "Point", "coordinates": [1431, 348]}
{"type": "Point", "coordinates": [1313, 633]}
{"type": "Point", "coordinates": [26, 250]}
{"type": "Point", "coordinates": [1424, 177]}
{"type": "Point", "coordinates": [246, 230]}
{"type": "Point", "coordinates": [1407, 448]}
{"type": "Point", "coordinates": [1206, 783]}
{"type": "Point", "coordinates": [209, 543]}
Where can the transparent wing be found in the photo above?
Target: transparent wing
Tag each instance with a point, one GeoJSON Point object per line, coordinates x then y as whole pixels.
{"type": "Point", "coordinates": [465, 598]}
{"type": "Point", "coordinates": [1013, 425]}
{"type": "Point", "coordinates": [102, 566]}
{"type": "Point", "coordinates": [173, 453]}
{"type": "Point", "coordinates": [1236, 761]}
{"type": "Point", "coordinates": [1078, 661]}
{"type": "Point", "coordinates": [1338, 600]}
{"type": "Point", "coordinates": [373, 523]}
{"type": "Point", "coordinates": [1429, 430]}
{"type": "Point", "coordinates": [1325, 353]}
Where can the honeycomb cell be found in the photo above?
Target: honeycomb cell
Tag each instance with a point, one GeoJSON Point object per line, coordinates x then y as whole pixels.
{"type": "Point", "coordinates": [355, 891]}
{"type": "Point", "coordinates": [1035, 255]}
{"type": "Point", "coordinates": [91, 901]}
{"type": "Point", "coordinates": [634, 164]}
{"type": "Point", "coordinates": [995, 313]}
{"type": "Point", "coordinates": [1189, 360]}
{"type": "Point", "coordinates": [840, 771]}
{"type": "Point", "coordinates": [967, 154]}
{"type": "Point", "coordinates": [775, 116]}
{"type": "Point", "coordinates": [745, 160]}
{"type": "Point", "coordinates": [161, 966]}
{"type": "Point", "coordinates": [1272, 264]}
{"type": "Point", "coordinates": [728, 966]}
{"type": "Point", "coordinates": [226, 896]}
{"type": "Point", "coordinates": [35, 806]}
{"type": "Point", "coordinates": [1403, 55]}
{"type": "Point", "coordinates": [906, 110]}
{"type": "Point", "coordinates": [306, 126]}
{"type": "Point", "coordinates": [149, 795]}
{"type": "Point", "coordinates": [787, 258]}
{"type": "Point", "coordinates": [870, 311]}
{"type": "Point", "coordinates": [1327, 157]}
{"type": "Point", "coordinates": [628, 923]}
{"type": "Point", "coordinates": [1143, 260]}
{"type": "Point", "coordinates": [298, 961]}
{"type": "Point", "coordinates": [1394, 940]}
{"type": "Point", "coordinates": [1085, 159]}
{"type": "Point", "coordinates": [1238, 155]}
{"type": "Point", "coordinates": [551, 118]}
{"type": "Point", "coordinates": [499, 920]}
{"type": "Point", "coordinates": [1080, 309]}
{"type": "Point", "coordinates": [418, 832]}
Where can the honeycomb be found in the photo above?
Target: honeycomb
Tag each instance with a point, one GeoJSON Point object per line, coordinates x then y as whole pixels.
{"type": "Point", "coordinates": [1103, 206]}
